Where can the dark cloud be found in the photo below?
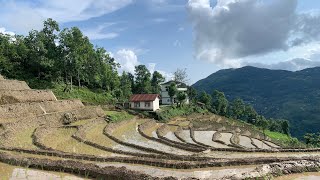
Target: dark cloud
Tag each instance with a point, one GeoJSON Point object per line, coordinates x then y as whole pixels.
{"type": "Point", "coordinates": [235, 29]}
{"type": "Point", "coordinates": [307, 27]}
{"type": "Point", "coordinates": [239, 28]}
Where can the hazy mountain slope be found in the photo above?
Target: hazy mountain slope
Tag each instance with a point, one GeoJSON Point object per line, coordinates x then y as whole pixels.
{"type": "Point", "coordinates": [274, 93]}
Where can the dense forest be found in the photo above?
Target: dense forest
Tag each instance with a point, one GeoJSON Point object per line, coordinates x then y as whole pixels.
{"type": "Point", "coordinates": [54, 56]}
{"type": "Point", "coordinates": [238, 109]}
{"type": "Point", "coordinates": [273, 93]}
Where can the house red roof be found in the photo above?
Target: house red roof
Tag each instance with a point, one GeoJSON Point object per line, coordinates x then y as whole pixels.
{"type": "Point", "coordinates": [143, 97]}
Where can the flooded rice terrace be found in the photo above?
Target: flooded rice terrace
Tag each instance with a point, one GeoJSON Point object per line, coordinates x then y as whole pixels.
{"type": "Point", "coordinates": [8, 172]}
{"type": "Point", "coordinates": [301, 176]}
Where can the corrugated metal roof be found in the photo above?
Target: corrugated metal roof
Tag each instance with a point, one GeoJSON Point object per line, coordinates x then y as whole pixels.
{"type": "Point", "coordinates": [179, 84]}
{"type": "Point", "coordinates": [143, 97]}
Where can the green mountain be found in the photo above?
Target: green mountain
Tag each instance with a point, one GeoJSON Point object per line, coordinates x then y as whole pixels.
{"type": "Point", "coordinates": [294, 96]}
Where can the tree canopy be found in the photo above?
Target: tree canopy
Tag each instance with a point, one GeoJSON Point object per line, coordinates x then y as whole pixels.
{"type": "Point", "coordinates": [67, 56]}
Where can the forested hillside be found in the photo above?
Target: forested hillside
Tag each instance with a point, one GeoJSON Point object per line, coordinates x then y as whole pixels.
{"type": "Point", "coordinates": [64, 59]}
{"type": "Point", "coordinates": [294, 96]}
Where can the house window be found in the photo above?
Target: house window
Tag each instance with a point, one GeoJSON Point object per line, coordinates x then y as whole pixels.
{"type": "Point", "coordinates": [168, 100]}
{"type": "Point", "coordinates": [167, 88]}
{"type": "Point", "coordinates": [137, 104]}
{"type": "Point", "coordinates": [147, 104]}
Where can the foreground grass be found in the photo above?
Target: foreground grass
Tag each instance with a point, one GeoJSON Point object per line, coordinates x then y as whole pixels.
{"type": "Point", "coordinates": [87, 96]}
{"type": "Point", "coordinates": [284, 140]}
{"type": "Point", "coordinates": [168, 112]}
{"type": "Point", "coordinates": [117, 116]}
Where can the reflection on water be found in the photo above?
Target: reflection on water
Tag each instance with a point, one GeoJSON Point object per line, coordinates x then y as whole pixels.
{"type": "Point", "coordinates": [16, 173]}
{"type": "Point", "coordinates": [301, 176]}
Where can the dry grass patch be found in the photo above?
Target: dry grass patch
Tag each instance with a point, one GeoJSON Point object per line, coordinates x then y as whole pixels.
{"type": "Point", "coordinates": [61, 139]}
{"type": "Point", "coordinates": [21, 139]}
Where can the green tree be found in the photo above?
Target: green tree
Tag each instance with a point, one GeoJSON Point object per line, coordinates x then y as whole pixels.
{"type": "Point", "coordinates": [131, 77]}
{"type": "Point", "coordinates": [192, 93]}
{"type": "Point", "coordinates": [156, 80]}
{"type": "Point", "coordinates": [263, 123]}
{"type": "Point", "coordinates": [285, 127]}
{"type": "Point", "coordinates": [125, 86]}
{"type": "Point", "coordinates": [181, 97]}
{"type": "Point", "coordinates": [37, 53]}
{"type": "Point", "coordinates": [206, 99]}
{"type": "Point", "coordinates": [275, 125]}
{"type": "Point", "coordinates": [106, 75]}
{"type": "Point", "coordinates": [79, 61]}
{"type": "Point", "coordinates": [250, 114]}
{"type": "Point", "coordinates": [43, 53]}
{"type": "Point", "coordinates": [143, 81]}
{"type": "Point", "coordinates": [172, 91]}
{"type": "Point", "coordinates": [237, 109]}
{"type": "Point", "coordinates": [219, 103]}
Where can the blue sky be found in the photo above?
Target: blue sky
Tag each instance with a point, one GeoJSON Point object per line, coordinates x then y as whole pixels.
{"type": "Point", "coordinates": [200, 35]}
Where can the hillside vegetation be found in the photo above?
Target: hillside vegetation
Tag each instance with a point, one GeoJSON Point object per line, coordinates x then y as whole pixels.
{"type": "Point", "coordinates": [65, 61]}
{"type": "Point", "coordinates": [274, 93]}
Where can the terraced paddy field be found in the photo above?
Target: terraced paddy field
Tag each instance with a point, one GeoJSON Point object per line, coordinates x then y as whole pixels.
{"type": "Point", "coordinates": [15, 173]}
{"type": "Point", "coordinates": [61, 139]}
{"type": "Point", "coordinates": [45, 138]}
{"type": "Point", "coordinates": [205, 137]}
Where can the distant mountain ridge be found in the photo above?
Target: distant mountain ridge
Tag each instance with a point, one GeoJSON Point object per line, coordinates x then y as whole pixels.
{"type": "Point", "coordinates": [274, 93]}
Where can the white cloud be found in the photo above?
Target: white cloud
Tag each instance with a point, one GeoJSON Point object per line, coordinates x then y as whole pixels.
{"type": "Point", "coordinates": [25, 15]}
{"type": "Point", "coordinates": [152, 67]}
{"type": "Point", "coordinates": [100, 32]}
{"type": "Point", "coordinates": [127, 59]}
{"type": "Point", "coordinates": [296, 58]}
{"type": "Point", "coordinates": [4, 31]}
{"type": "Point", "coordinates": [168, 76]}
{"type": "Point", "coordinates": [291, 65]}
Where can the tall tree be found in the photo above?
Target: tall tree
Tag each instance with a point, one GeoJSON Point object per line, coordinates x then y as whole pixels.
{"type": "Point", "coordinates": [125, 86]}
{"type": "Point", "coordinates": [219, 103]}
{"type": "Point", "coordinates": [206, 99]}
{"type": "Point", "coordinates": [78, 53]}
{"type": "Point", "coordinates": [180, 75]}
{"type": "Point", "coordinates": [143, 81]}
{"type": "Point", "coordinates": [237, 108]}
{"type": "Point", "coordinates": [263, 123]}
{"type": "Point", "coordinates": [37, 52]}
{"type": "Point", "coordinates": [250, 114]}
{"type": "Point", "coordinates": [131, 77]}
{"type": "Point", "coordinates": [172, 91]}
{"type": "Point", "coordinates": [285, 127]}
{"type": "Point", "coordinates": [192, 93]}
{"type": "Point", "coordinates": [181, 97]}
{"type": "Point", "coordinates": [156, 80]}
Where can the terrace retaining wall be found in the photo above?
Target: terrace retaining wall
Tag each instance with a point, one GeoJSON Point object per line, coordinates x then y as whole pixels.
{"type": "Point", "coordinates": [18, 110]}
{"type": "Point", "coordinates": [13, 85]}
{"type": "Point", "coordinates": [21, 96]}
{"type": "Point", "coordinates": [76, 167]}
{"type": "Point", "coordinates": [184, 164]}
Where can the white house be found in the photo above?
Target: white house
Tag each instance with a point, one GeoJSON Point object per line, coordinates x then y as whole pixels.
{"type": "Point", "coordinates": [165, 98]}
{"type": "Point", "coordinates": [148, 102]}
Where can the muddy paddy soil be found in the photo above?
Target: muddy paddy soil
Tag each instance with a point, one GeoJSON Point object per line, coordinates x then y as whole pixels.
{"type": "Point", "coordinates": [8, 172]}
{"type": "Point", "coordinates": [301, 176]}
